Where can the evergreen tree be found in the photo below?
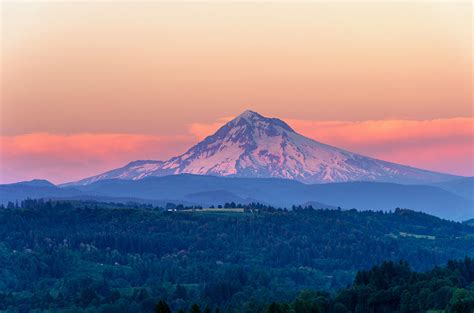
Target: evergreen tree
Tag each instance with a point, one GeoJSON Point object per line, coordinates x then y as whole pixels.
{"type": "Point", "coordinates": [162, 307]}
{"type": "Point", "coordinates": [195, 308]}
{"type": "Point", "coordinates": [274, 308]}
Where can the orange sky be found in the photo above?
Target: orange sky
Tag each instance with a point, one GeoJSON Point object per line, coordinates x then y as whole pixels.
{"type": "Point", "coordinates": [149, 71]}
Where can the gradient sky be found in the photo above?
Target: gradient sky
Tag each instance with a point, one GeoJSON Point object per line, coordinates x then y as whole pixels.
{"type": "Point", "coordinates": [88, 86]}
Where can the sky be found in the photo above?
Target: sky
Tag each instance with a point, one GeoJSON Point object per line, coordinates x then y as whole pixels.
{"type": "Point", "coordinates": [87, 86]}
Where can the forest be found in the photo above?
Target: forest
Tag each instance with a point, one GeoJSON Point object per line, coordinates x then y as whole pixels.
{"type": "Point", "coordinates": [390, 287]}
{"type": "Point", "coordinates": [78, 256]}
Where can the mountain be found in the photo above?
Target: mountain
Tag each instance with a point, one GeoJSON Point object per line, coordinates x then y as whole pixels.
{"type": "Point", "coordinates": [255, 146]}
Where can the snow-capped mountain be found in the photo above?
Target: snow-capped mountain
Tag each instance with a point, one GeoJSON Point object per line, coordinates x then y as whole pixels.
{"type": "Point", "coordinates": [252, 145]}
{"type": "Point", "coordinates": [133, 170]}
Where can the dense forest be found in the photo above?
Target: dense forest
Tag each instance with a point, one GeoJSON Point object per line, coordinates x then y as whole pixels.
{"type": "Point", "coordinates": [390, 287]}
{"type": "Point", "coordinates": [65, 256]}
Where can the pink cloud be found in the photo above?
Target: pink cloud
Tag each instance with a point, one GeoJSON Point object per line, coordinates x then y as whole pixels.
{"type": "Point", "coordinates": [62, 158]}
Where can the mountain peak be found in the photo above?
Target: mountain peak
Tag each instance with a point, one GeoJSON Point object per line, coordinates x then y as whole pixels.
{"type": "Point", "coordinates": [257, 120]}
{"type": "Point", "coordinates": [249, 114]}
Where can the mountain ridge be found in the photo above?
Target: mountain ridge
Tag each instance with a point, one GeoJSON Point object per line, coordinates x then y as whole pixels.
{"type": "Point", "coordinates": [212, 190]}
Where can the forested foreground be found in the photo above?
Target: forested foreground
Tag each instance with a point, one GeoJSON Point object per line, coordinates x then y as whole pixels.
{"type": "Point", "coordinates": [93, 257]}
{"type": "Point", "coordinates": [390, 287]}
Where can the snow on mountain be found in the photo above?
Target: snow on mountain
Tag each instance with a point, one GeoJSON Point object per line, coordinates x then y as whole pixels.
{"type": "Point", "coordinates": [252, 145]}
{"type": "Point", "coordinates": [133, 170]}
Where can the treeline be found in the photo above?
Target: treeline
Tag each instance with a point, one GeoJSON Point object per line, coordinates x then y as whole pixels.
{"type": "Point", "coordinates": [390, 287]}
{"type": "Point", "coordinates": [45, 204]}
{"type": "Point", "coordinates": [41, 204]}
{"type": "Point", "coordinates": [74, 256]}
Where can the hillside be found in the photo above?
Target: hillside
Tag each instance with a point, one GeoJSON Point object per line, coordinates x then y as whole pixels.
{"type": "Point", "coordinates": [75, 255]}
{"type": "Point", "coordinates": [394, 287]}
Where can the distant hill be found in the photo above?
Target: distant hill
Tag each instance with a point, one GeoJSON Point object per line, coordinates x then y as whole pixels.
{"type": "Point", "coordinates": [462, 186]}
{"type": "Point", "coordinates": [214, 197]}
{"type": "Point", "coordinates": [35, 183]}
{"type": "Point", "coordinates": [285, 193]}
{"type": "Point", "coordinates": [469, 222]}
{"type": "Point", "coordinates": [33, 189]}
{"type": "Point", "coordinates": [43, 189]}
{"type": "Point", "coordinates": [207, 190]}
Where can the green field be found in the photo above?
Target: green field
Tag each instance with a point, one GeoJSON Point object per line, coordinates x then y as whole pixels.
{"type": "Point", "coordinates": [237, 210]}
